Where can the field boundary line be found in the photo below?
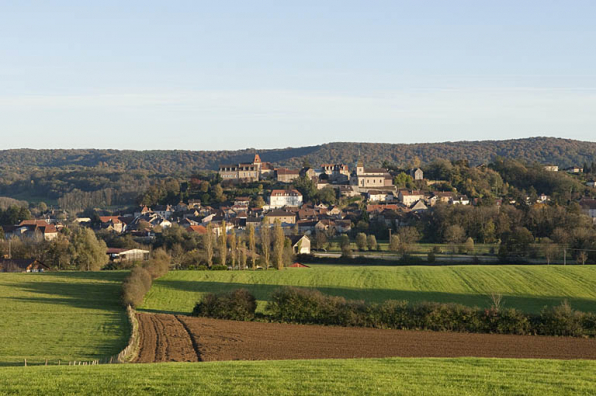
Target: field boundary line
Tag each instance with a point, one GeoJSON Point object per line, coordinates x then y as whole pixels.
{"type": "Point", "coordinates": [195, 345]}
{"type": "Point", "coordinates": [130, 352]}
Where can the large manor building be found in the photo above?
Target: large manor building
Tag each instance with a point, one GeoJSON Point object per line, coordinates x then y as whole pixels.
{"type": "Point", "coordinates": [254, 171]}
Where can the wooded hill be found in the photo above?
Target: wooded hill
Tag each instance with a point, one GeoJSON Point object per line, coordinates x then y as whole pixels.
{"type": "Point", "coordinates": [562, 152]}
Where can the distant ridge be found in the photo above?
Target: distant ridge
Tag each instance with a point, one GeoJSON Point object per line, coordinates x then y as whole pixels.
{"type": "Point", "coordinates": [562, 152]}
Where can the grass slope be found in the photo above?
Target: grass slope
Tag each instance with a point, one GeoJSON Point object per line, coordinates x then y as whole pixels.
{"type": "Point", "coordinates": [529, 288]}
{"type": "Point", "coordinates": [67, 316]}
{"type": "Point", "coordinates": [311, 377]}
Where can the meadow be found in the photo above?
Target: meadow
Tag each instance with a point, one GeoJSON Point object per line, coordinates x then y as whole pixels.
{"type": "Point", "coordinates": [61, 316]}
{"type": "Point", "coordinates": [528, 288]}
{"type": "Point", "coordinates": [311, 377]}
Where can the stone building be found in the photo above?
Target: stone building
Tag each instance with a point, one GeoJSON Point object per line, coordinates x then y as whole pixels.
{"type": "Point", "coordinates": [370, 177]}
{"type": "Point", "coordinates": [257, 170]}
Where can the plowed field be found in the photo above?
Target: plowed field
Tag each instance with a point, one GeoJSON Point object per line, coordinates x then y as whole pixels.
{"type": "Point", "coordinates": [164, 339]}
{"type": "Point", "coordinates": [183, 338]}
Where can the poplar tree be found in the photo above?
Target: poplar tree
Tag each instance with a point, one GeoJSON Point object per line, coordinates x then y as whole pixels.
{"type": "Point", "coordinates": [278, 245]}
{"type": "Point", "coordinates": [223, 244]}
{"type": "Point", "coordinates": [252, 246]}
{"type": "Point", "coordinates": [266, 243]}
{"type": "Point", "coordinates": [208, 244]}
{"type": "Point", "coordinates": [233, 248]}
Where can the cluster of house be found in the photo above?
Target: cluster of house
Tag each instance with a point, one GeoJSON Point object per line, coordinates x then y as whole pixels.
{"type": "Point", "coordinates": [555, 168]}
{"type": "Point", "coordinates": [40, 229]}
{"type": "Point", "coordinates": [384, 202]}
{"type": "Point", "coordinates": [361, 178]}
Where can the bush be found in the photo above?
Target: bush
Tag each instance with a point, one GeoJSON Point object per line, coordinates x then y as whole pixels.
{"type": "Point", "coordinates": [135, 286]}
{"type": "Point", "coordinates": [431, 257]}
{"type": "Point", "coordinates": [561, 321]}
{"type": "Point", "coordinates": [506, 321]}
{"type": "Point", "coordinates": [219, 267]}
{"type": "Point", "coordinates": [159, 264]}
{"type": "Point", "coordinates": [239, 304]}
{"type": "Point", "coordinates": [346, 252]}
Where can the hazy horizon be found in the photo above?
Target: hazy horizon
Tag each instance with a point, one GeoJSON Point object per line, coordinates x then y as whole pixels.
{"type": "Point", "coordinates": [296, 146]}
{"type": "Point", "coordinates": [212, 76]}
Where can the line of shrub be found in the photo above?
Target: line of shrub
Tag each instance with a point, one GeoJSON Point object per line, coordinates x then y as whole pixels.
{"type": "Point", "coordinates": [306, 306]}
{"type": "Point", "coordinates": [139, 280]}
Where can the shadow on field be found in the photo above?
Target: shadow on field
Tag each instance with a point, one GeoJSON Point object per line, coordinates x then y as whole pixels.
{"type": "Point", "coordinates": [532, 304]}
{"type": "Point", "coordinates": [98, 291]}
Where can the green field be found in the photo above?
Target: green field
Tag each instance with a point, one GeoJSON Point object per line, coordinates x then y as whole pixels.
{"type": "Point", "coordinates": [311, 377]}
{"type": "Point", "coordinates": [529, 288]}
{"type": "Point", "coordinates": [66, 316]}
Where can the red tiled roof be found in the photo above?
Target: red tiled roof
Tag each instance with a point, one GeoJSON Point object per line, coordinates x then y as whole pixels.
{"type": "Point", "coordinates": [284, 193]}
{"type": "Point", "coordinates": [199, 229]}
{"type": "Point", "coordinates": [107, 219]}
{"type": "Point", "coordinates": [39, 223]}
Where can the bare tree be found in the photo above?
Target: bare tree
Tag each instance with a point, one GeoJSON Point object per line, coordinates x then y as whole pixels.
{"type": "Point", "coordinates": [582, 257]}
{"type": "Point", "coordinates": [549, 249]}
{"type": "Point", "coordinates": [496, 301]}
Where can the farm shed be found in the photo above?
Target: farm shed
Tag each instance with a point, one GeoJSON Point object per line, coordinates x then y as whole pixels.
{"type": "Point", "coordinates": [127, 254]}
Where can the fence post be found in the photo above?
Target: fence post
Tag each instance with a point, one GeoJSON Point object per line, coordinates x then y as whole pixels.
{"type": "Point", "coordinates": [25, 362]}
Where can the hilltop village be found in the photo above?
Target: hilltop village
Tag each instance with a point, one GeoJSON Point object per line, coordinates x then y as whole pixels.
{"type": "Point", "coordinates": [314, 206]}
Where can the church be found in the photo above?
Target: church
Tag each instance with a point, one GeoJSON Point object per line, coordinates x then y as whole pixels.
{"type": "Point", "coordinates": [370, 177]}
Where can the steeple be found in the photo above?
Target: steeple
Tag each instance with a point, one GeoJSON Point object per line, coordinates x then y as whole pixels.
{"type": "Point", "coordinates": [359, 165]}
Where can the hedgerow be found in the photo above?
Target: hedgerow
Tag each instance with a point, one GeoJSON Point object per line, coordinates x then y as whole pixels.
{"type": "Point", "coordinates": [309, 306]}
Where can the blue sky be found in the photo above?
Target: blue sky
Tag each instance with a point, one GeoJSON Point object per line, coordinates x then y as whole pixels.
{"type": "Point", "coordinates": [229, 75]}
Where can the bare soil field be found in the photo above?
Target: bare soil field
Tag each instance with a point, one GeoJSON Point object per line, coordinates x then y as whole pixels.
{"type": "Point", "coordinates": [163, 338]}
{"type": "Point", "coordinates": [184, 338]}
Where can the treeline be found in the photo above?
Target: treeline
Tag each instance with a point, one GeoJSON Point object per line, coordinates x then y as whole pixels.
{"type": "Point", "coordinates": [6, 202]}
{"type": "Point", "coordinates": [307, 306]}
{"type": "Point", "coordinates": [87, 178]}
{"type": "Point", "coordinates": [76, 189]}
{"type": "Point", "coordinates": [517, 229]}
{"type": "Point", "coordinates": [78, 200]}
{"type": "Point", "coordinates": [563, 152]}
{"type": "Point", "coordinates": [77, 249]}
{"type": "Point", "coordinates": [14, 214]}
{"type": "Point", "coordinates": [534, 179]}
{"type": "Point", "coordinates": [138, 282]}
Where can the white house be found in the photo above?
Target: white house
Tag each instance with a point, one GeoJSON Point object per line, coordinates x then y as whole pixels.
{"type": "Point", "coordinates": [300, 244]}
{"type": "Point", "coordinates": [281, 198]}
{"type": "Point", "coordinates": [378, 196]}
{"type": "Point", "coordinates": [461, 200]}
{"type": "Point", "coordinates": [409, 198]}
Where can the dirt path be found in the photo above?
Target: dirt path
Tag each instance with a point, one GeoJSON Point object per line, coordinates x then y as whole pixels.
{"type": "Point", "coordinates": [230, 340]}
